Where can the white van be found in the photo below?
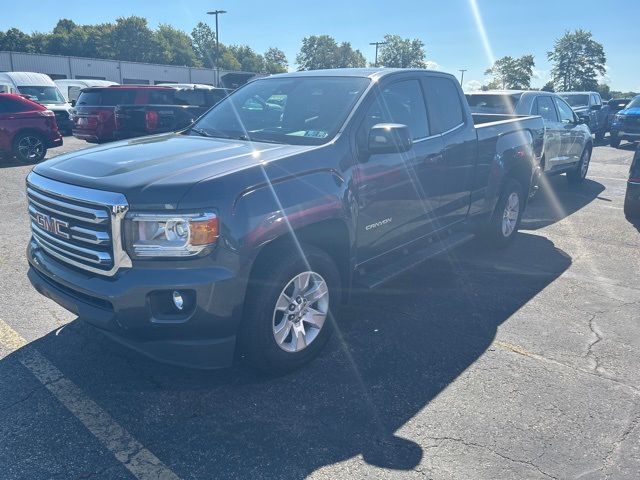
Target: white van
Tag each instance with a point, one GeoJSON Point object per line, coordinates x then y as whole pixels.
{"type": "Point", "coordinates": [40, 88]}
{"type": "Point", "coordinates": [70, 87]}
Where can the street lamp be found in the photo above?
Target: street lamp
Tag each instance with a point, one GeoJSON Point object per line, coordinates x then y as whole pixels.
{"type": "Point", "coordinates": [375, 63]}
{"type": "Point", "coordinates": [216, 13]}
{"type": "Point", "coordinates": [462, 70]}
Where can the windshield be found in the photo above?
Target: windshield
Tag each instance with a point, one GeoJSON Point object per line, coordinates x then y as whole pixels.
{"type": "Point", "coordinates": [576, 100]}
{"type": "Point", "coordinates": [298, 110]}
{"type": "Point", "coordinates": [43, 94]}
{"type": "Point", "coordinates": [503, 104]}
{"type": "Point", "coordinates": [635, 103]}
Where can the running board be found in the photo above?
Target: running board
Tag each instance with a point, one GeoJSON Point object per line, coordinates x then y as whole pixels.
{"type": "Point", "coordinates": [383, 275]}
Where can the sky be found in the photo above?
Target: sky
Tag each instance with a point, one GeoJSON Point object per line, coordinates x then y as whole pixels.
{"type": "Point", "coordinates": [458, 34]}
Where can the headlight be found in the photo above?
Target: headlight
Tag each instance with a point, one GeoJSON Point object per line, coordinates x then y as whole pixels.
{"type": "Point", "coordinates": [170, 235]}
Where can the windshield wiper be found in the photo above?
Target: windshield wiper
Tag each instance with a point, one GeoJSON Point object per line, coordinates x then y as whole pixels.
{"type": "Point", "coordinates": [212, 134]}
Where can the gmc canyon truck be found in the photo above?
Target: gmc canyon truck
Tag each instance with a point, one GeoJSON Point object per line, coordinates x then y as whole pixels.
{"type": "Point", "coordinates": [241, 235]}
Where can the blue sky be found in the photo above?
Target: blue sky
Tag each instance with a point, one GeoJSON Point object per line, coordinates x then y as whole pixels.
{"type": "Point", "coordinates": [447, 27]}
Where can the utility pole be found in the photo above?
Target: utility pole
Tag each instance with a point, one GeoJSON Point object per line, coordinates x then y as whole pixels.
{"type": "Point", "coordinates": [462, 70]}
{"type": "Point", "coordinates": [375, 63]}
{"type": "Point", "coordinates": [216, 13]}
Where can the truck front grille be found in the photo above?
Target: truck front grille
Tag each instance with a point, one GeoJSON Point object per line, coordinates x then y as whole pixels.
{"type": "Point", "coordinates": [77, 226]}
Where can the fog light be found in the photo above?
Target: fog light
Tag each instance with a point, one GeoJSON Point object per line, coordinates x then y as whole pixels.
{"type": "Point", "coordinates": [178, 301]}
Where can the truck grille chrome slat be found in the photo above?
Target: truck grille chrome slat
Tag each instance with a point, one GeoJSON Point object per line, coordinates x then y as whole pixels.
{"type": "Point", "coordinates": [78, 226]}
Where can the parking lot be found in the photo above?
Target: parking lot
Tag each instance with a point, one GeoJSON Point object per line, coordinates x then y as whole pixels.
{"type": "Point", "coordinates": [479, 364]}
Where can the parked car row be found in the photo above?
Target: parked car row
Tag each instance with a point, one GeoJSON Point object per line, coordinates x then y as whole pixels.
{"type": "Point", "coordinates": [103, 114]}
{"type": "Point", "coordinates": [567, 139]}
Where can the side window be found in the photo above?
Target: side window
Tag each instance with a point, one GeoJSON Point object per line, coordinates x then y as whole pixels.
{"type": "Point", "coordinates": [401, 102]}
{"type": "Point", "coordinates": [443, 99]}
{"type": "Point", "coordinates": [595, 99]}
{"type": "Point", "coordinates": [566, 114]}
{"type": "Point", "coordinates": [9, 105]}
{"type": "Point", "coordinates": [544, 107]}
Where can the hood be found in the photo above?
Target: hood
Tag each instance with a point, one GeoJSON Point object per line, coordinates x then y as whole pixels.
{"type": "Point", "coordinates": [159, 170]}
{"type": "Point", "coordinates": [57, 107]}
{"type": "Point", "coordinates": [630, 111]}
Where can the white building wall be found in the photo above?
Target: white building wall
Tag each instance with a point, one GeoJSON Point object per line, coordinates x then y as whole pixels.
{"type": "Point", "coordinates": [116, 71]}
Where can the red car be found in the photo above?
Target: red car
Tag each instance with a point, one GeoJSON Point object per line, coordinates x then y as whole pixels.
{"type": "Point", "coordinates": [93, 114]}
{"type": "Point", "coordinates": [27, 129]}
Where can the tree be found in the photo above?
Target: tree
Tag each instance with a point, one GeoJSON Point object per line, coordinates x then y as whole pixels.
{"type": "Point", "coordinates": [175, 46]}
{"type": "Point", "coordinates": [204, 44]}
{"type": "Point", "coordinates": [604, 90]}
{"type": "Point", "coordinates": [322, 51]}
{"type": "Point", "coordinates": [15, 40]}
{"type": "Point", "coordinates": [133, 40]}
{"type": "Point", "coordinates": [548, 87]}
{"type": "Point", "coordinates": [249, 60]}
{"type": "Point", "coordinates": [511, 73]}
{"type": "Point", "coordinates": [275, 61]}
{"type": "Point", "coordinates": [577, 61]}
{"type": "Point", "coordinates": [400, 52]}
{"type": "Point", "coordinates": [347, 57]}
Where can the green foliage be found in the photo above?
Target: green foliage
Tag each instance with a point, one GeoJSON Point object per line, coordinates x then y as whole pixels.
{"type": "Point", "coordinates": [604, 90]}
{"type": "Point", "coordinates": [548, 87]}
{"type": "Point", "coordinates": [130, 38]}
{"type": "Point", "coordinates": [577, 61]}
{"type": "Point", "coordinates": [275, 61]}
{"type": "Point", "coordinates": [322, 51]}
{"type": "Point", "coordinates": [400, 52]}
{"type": "Point", "coordinates": [511, 73]}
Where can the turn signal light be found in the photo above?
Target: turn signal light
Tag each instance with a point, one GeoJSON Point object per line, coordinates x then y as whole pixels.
{"type": "Point", "coordinates": [203, 232]}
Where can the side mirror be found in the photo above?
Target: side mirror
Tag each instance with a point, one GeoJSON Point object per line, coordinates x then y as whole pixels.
{"type": "Point", "coordinates": [389, 138]}
{"type": "Point", "coordinates": [73, 103]}
{"type": "Point", "coordinates": [596, 107]}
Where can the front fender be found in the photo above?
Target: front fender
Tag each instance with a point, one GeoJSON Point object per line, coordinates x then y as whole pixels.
{"type": "Point", "coordinates": [275, 208]}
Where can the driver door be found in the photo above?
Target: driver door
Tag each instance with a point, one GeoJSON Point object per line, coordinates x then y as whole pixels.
{"type": "Point", "coordinates": [396, 195]}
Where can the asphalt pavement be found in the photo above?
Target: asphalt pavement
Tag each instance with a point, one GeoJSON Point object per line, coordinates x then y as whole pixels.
{"type": "Point", "coordinates": [480, 364]}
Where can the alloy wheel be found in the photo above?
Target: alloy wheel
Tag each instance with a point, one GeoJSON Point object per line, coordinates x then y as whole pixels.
{"type": "Point", "coordinates": [300, 311]}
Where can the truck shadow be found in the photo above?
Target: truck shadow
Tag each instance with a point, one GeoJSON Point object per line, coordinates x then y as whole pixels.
{"type": "Point", "coordinates": [395, 350]}
{"type": "Point", "coordinates": [558, 200]}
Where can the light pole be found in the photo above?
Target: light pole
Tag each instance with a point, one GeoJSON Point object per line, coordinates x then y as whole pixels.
{"type": "Point", "coordinates": [375, 63]}
{"type": "Point", "coordinates": [216, 13]}
{"type": "Point", "coordinates": [462, 75]}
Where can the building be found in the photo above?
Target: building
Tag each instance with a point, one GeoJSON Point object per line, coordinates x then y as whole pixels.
{"type": "Point", "coordinates": [58, 67]}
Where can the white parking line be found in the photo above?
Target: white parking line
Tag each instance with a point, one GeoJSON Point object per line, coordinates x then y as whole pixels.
{"type": "Point", "coordinates": [143, 464]}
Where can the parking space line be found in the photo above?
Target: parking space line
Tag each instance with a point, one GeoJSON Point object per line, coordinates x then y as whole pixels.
{"type": "Point", "coordinates": [128, 451]}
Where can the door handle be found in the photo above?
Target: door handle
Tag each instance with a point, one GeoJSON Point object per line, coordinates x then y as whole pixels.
{"type": "Point", "coordinates": [434, 159]}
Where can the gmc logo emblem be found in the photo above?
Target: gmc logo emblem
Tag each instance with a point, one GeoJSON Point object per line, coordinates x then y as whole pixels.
{"type": "Point", "coordinates": [52, 225]}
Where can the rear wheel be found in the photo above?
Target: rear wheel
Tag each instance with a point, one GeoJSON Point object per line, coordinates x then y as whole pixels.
{"type": "Point", "coordinates": [578, 174]}
{"type": "Point", "coordinates": [506, 218]}
{"type": "Point", "coordinates": [288, 317]}
{"type": "Point", "coordinates": [614, 140]}
{"type": "Point", "coordinates": [29, 147]}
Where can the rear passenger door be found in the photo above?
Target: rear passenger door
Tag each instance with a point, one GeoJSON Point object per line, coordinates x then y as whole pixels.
{"type": "Point", "coordinates": [571, 141]}
{"type": "Point", "coordinates": [553, 154]}
{"type": "Point", "coordinates": [454, 171]}
{"type": "Point", "coordinates": [396, 192]}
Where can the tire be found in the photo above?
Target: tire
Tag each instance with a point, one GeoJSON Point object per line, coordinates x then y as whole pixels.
{"type": "Point", "coordinates": [578, 174]}
{"type": "Point", "coordinates": [264, 319]}
{"type": "Point", "coordinates": [505, 222]}
{"type": "Point", "coordinates": [614, 140]}
{"type": "Point", "coordinates": [29, 147]}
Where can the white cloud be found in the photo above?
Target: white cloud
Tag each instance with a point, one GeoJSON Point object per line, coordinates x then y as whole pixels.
{"type": "Point", "coordinates": [472, 86]}
{"type": "Point", "coordinates": [431, 65]}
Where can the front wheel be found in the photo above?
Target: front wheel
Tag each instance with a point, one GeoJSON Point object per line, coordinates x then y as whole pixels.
{"type": "Point", "coordinates": [578, 174]}
{"type": "Point", "coordinates": [29, 148]}
{"type": "Point", "coordinates": [288, 315]}
{"type": "Point", "coordinates": [506, 218]}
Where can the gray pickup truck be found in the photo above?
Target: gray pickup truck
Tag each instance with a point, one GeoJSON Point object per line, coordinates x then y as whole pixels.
{"type": "Point", "coordinates": [243, 233]}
